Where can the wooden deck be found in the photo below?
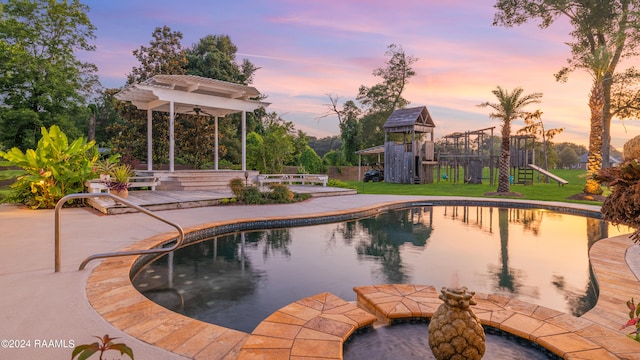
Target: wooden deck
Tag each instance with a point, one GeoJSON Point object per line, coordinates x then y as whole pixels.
{"type": "Point", "coordinates": [168, 200]}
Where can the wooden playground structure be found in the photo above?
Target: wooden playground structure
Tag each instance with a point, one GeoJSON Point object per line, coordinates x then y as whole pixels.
{"type": "Point", "coordinates": [411, 156]}
{"type": "Point", "coordinates": [463, 155]}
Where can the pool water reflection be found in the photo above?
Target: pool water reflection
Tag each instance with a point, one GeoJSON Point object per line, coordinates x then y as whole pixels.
{"type": "Point", "coordinates": [238, 280]}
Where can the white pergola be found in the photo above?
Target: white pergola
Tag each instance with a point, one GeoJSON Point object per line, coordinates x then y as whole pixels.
{"type": "Point", "coordinates": [188, 94]}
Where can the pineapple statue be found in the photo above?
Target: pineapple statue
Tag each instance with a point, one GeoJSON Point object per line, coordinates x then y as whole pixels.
{"type": "Point", "coordinates": [455, 332]}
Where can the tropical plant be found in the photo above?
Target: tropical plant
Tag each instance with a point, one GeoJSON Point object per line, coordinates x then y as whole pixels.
{"type": "Point", "coordinates": [105, 166]}
{"type": "Point", "coordinates": [120, 176]}
{"type": "Point", "coordinates": [54, 169]}
{"type": "Point", "coordinates": [594, 157]}
{"type": "Point", "coordinates": [103, 344]}
{"type": "Point", "coordinates": [622, 206]}
{"type": "Point", "coordinates": [634, 320]}
{"type": "Point", "coordinates": [510, 106]}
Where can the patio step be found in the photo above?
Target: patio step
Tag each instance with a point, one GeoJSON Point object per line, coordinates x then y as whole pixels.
{"type": "Point", "coordinates": [198, 180]}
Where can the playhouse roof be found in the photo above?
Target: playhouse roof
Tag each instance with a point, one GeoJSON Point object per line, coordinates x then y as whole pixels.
{"type": "Point", "coordinates": [411, 119]}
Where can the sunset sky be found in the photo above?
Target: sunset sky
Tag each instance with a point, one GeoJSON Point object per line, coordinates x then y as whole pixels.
{"type": "Point", "coordinates": [308, 49]}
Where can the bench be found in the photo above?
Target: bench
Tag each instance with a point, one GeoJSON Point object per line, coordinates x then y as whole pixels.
{"type": "Point", "coordinates": [293, 178]}
{"type": "Point", "coordinates": [97, 186]}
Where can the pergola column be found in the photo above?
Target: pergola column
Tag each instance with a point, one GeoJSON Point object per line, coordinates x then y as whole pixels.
{"type": "Point", "coordinates": [244, 141]}
{"type": "Point", "coordinates": [172, 137]}
{"type": "Point", "coordinates": [149, 140]}
{"type": "Point", "coordinates": [215, 161]}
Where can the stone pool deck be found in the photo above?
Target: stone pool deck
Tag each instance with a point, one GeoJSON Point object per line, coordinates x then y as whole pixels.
{"type": "Point", "coordinates": [48, 313]}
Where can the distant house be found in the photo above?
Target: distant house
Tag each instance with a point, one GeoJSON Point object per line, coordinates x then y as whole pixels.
{"type": "Point", "coordinates": [583, 161]}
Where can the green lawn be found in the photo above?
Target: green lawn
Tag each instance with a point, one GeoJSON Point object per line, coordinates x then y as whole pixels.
{"type": "Point", "coordinates": [537, 191]}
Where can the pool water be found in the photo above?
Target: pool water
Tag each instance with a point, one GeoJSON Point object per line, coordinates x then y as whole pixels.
{"type": "Point", "coordinates": [238, 280]}
{"type": "Point", "coordinates": [410, 341]}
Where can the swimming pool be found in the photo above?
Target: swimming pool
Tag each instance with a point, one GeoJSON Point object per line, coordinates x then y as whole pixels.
{"type": "Point", "coordinates": [237, 280]}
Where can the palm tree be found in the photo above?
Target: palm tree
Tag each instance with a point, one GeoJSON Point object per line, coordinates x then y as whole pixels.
{"type": "Point", "coordinates": [594, 157]}
{"type": "Point", "coordinates": [599, 68]}
{"type": "Point", "coordinates": [508, 108]}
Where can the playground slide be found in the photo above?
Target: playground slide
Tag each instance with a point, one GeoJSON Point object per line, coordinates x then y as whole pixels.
{"type": "Point", "coordinates": [560, 180]}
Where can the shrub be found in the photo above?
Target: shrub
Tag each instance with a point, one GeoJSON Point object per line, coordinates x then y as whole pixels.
{"type": "Point", "coordinates": [301, 197]}
{"type": "Point", "coordinates": [253, 196]}
{"type": "Point", "coordinates": [237, 187]}
{"type": "Point", "coordinates": [280, 193]}
{"type": "Point", "coordinates": [54, 169]}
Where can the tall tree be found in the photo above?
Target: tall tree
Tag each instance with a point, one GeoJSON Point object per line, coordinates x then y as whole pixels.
{"type": "Point", "coordinates": [106, 115]}
{"type": "Point", "coordinates": [271, 151]}
{"type": "Point", "coordinates": [568, 158]}
{"type": "Point", "coordinates": [510, 106]}
{"type": "Point", "coordinates": [324, 145]}
{"type": "Point", "coordinates": [214, 56]}
{"type": "Point", "coordinates": [350, 127]}
{"type": "Point", "coordinates": [387, 95]}
{"type": "Point", "coordinates": [164, 55]}
{"type": "Point", "coordinates": [42, 82]}
{"type": "Point", "coordinates": [381, 99]}
{"type": "Point", "coordinates": [603, 30]}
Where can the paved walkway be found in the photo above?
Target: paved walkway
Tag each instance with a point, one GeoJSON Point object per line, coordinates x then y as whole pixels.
{"type": "Point", "coordinates": [48, 313]}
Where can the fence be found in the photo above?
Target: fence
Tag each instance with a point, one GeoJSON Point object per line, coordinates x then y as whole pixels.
{"type": "Point", "coordinates": [334, 172]}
